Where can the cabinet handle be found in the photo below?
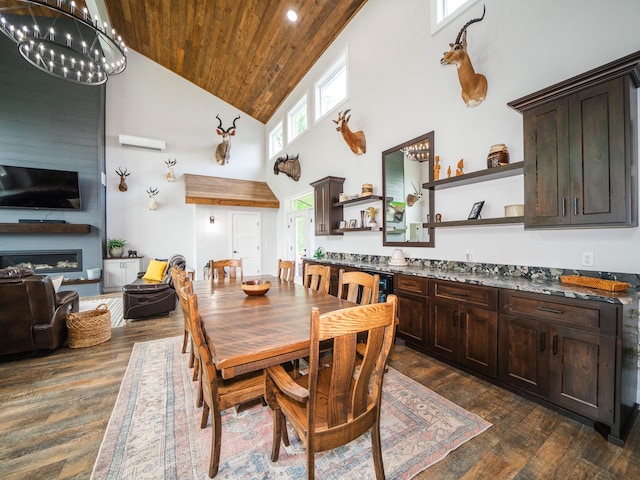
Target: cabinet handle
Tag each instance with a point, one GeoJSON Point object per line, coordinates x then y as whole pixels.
{"type": "Point", "coordinates": [460, 294]}
{"type": "Point", "coordinates": [550, 310]}
{"type": "Point", "coordinates": [555, 344]}
{"type": "Point", "coordinates": [575, 205]}
{"type": "Point", "coordinates": [543, 341]}
{"type": "Point", "coordinates": [564, 207]}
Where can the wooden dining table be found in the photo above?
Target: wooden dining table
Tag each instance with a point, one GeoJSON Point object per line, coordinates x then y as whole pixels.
{"type": "Point", "coordinates": [248, 333]}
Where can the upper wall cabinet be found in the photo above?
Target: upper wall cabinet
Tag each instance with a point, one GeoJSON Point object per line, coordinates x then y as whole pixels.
{"type": "Point", "coordinates": [580, 149]}
{"type": "Point", "coordinates": [326, 193]}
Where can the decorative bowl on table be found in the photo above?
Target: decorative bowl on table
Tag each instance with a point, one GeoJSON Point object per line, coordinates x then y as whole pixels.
{"type": "Point", "coordinates": [256, 288]}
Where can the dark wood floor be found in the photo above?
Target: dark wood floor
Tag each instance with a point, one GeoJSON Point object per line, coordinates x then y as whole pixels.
{"type": "Point", "coordinates": [54, 410]}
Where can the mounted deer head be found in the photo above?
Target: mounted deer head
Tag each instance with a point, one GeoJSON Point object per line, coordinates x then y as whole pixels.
{"type": "Point", "coordinates": [288, 166]}
{"type": "Point", "coordinates": [474, 85]}
{"type": "Point", "coordinates": [412, 198]}
{"type": "Point", "coordinates": [223, 150]}
{"type": "Point", "coordinates": [122, 186]}
{"type": "Point", "coordinates": [356, 141]}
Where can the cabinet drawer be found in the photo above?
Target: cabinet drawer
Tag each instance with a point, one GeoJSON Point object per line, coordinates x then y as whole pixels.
{"type": "Point", "coordinates": [463, 293]}
{"type": "Point", "coordinates": [583, 313]}
{"type": "Point", "coordinates": [411, 284]}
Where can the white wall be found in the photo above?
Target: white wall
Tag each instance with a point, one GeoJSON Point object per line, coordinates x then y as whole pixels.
{"type": "Point", "coordinates": [398, 90]}
{"type": "Point", "coordinates": [149, 101]}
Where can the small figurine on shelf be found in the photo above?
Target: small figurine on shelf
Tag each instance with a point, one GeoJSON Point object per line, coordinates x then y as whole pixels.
{"type": "Point", "coordinates": [436, 169]}
{"type": "Point", "coordinates": [460, 167]}
{"type": "Point", "coordinates": [449, 172]}
{"type": "Point", "coordinates": [438, 218]}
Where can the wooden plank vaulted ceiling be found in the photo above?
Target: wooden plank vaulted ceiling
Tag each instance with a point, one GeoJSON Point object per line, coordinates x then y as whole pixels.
{"type": "Point", "coordinates": [245, 52]}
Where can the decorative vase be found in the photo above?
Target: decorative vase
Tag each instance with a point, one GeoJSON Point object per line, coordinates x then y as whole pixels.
{"type": "Point", "coordinates": [116, 252]}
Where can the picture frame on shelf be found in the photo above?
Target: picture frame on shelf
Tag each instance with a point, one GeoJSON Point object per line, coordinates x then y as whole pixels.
{"type": "Point", "coordinates": [343, 224]}
{"type": "Point", "coordinates": [352, 223]}
{"type": "Point", "coordinates": [474, 214]}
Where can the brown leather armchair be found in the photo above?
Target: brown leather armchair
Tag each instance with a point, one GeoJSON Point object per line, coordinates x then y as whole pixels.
{"type": "Point", "coordinates": [32, 315]}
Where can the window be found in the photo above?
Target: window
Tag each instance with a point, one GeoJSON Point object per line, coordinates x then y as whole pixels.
{"type": "Point", "coordinates": [331, 89]}
{"type": "Point", "coordinates": [444, 11]}
{"type": "Point", "coordinates": [297, 119]}
{"type": "Point", "coordinates": [275, 140]}
{"type": "Point", "coordinates": [302, 203]}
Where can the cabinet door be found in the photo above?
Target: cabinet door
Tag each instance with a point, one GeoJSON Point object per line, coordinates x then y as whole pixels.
{"type": "Point", "coordinates": [479, 339]}
{"type": "Point", "coordinates": [523, 354]}
{"type": "Point", "coordinates": [546, 166]}
{"type": "Point", "coordinates": [443, 329]}
{"type": "Point", "coordinates": [582, 372]}
{"type": "Point", "coordinates": [599, 194]}
{"type": "Point", "coordinates": [412, 319]}
{"type": "Point", "coordinates": [321, 209]}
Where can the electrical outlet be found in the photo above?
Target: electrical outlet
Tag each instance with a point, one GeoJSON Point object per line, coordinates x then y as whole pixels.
{"type": "Point", "coordinates": [469, 256]}
{"type": "Point", "coordinates": [587, 259]}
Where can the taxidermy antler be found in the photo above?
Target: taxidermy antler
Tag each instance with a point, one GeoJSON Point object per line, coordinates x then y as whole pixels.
{"type": "Point", "coordinates": [474, 85]}
{"type": "Point", "coordinates": [412, 198]}
{"type": "Point", "coordinates": [223, 150]}
{"type": "Point", "coordinates": [356, 141]}
{"type": "Point", "coordinates": [123, 175]}
{"type": "Point", "coordinates": [290, 166]}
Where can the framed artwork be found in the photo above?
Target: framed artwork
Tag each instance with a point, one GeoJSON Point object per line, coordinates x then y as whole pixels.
{"type": "Point", "coordinates": [395, 211]}
{"type": "Point", "coordinates": [352, 223]}
{"type": "Point", "coordinates": [475, 210]}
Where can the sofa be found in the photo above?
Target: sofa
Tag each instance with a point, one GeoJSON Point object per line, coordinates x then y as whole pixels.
{"type": "Point", "coordinates": [152, 294]}
{"type": "Point", "coordinates": [32, 315]}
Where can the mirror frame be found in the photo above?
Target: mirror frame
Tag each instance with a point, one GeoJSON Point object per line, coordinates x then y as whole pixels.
{"type": "Point", "coordinates": [432, 231]}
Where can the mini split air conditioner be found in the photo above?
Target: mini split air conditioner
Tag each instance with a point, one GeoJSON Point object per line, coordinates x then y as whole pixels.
{"type": "Point", "coordinates": [142, 143]}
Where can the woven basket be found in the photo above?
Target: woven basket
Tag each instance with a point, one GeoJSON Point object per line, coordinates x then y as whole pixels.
{"type": "Point", "coordinates": [89, 328]}
{"type": "Point", "coordinates": [599, 283]}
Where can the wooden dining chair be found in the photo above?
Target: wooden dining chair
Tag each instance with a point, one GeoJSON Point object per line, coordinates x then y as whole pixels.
{"type": "Point", "coordinates": [316, 277]}
{"type": "Point", "coordinates": [178, 277]}
{"type": "Point", "coordinates": [286, 270]}
{"type": "Point", "coordinates": [231, 268]}
{"type": "Point", "coordinates": [219, 394]}
{"type": "Point", "coordinates": [186, 288]}
{"type": "Point", "coordinates": [332, 406]}
{"type": "Point", "coordinates": [358, 287]}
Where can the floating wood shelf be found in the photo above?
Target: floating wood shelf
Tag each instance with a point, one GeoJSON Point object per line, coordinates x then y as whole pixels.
{"type": "Point", "coordinates": [480, 176]}
{"type": "Point", "coordinates": [44, 228]}
{"type": "Point", "coordinates": [354, 201]}
{"type": "Point", "coordinates": [473, 223]}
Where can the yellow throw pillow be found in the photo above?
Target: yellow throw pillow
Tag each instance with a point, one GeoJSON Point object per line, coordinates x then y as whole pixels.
{"type": "Point", "coordinates": [155, 271]}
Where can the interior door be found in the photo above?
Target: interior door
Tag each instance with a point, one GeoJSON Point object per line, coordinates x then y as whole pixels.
{"type": "Point", "coordinates": [246, 238]}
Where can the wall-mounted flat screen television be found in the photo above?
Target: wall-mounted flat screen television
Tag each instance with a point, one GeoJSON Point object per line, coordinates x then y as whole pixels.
{"type": "Point", "coordinates": [25, 187]}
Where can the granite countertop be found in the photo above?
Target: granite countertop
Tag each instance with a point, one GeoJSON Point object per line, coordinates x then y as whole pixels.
{"type": "Point", "coordinates": [544, 286]}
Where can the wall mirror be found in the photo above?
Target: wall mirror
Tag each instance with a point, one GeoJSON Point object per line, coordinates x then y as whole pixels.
{"type": "Point", "coordinates": [407, 207]}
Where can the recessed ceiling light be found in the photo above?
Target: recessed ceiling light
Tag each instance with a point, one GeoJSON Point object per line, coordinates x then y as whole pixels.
{"type": "Point", "coordinates": [292, 15]}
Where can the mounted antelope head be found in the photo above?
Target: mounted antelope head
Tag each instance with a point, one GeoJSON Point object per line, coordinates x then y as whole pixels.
{"type": "Point", "coordinates": [223, 150]}
{"type": "Point", "coordinates": [152, 192]}
{"type": "Point", "coordinates": [170, 164]}
{"type": "Point", "coordinates": [474, 85]}
{"type": "Point", "coordinates": [288, 166]}
{"type": "Point", "coordinates": [356, 141]}
{"type": "Point", "coordinates": [412, 198]}
{"type": "Point", "coordinates": [123, 175]}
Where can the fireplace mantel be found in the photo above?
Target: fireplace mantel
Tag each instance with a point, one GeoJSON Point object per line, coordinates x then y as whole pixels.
{"type": "Point", "coordinates": [44, 227]}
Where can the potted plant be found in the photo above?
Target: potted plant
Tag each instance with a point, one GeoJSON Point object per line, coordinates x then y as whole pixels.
{"type": "Point", "coordinates": [319, 253]}
{"type": "Point", "coordinates": [371, 213]}
{"type": "Point", "coordinates": [115, 246]}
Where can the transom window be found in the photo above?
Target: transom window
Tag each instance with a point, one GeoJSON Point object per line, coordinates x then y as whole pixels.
{"type": "Point", "coordinates": [331, 89]}
{"type": "Point", "coordinates": [444, 11]}
{"type": "Point", "coordinates": [276, 142]}
{"type": "Point", "coordinates": [297, 119]}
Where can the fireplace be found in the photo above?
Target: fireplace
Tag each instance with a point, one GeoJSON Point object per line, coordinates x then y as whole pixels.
{"type": "Point", "coordinates": [44, 261]}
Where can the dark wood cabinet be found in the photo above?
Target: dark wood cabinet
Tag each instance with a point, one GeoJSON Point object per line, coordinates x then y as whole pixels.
{"type": "Point", "coordinates": [413, 302]}
{"type": "Point", "coordinates": [580, 149]}
{"type": "Point", "coordinates": [327, 215]}
{"type": "Point", "coordinates": [567, 351]}
{"type": "Point", "coordinates": [463, 325]}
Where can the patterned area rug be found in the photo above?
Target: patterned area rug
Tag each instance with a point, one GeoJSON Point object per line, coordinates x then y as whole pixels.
{"type": "Point", "coordinates": [154, 430]}
{"type": "Point", "coordinates": [113, 303]}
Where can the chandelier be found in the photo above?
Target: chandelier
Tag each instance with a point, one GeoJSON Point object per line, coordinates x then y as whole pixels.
{"type": "Point", "coordinates": [61, 39]}
{"type": "Point", "coordinates": [418, 151]}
